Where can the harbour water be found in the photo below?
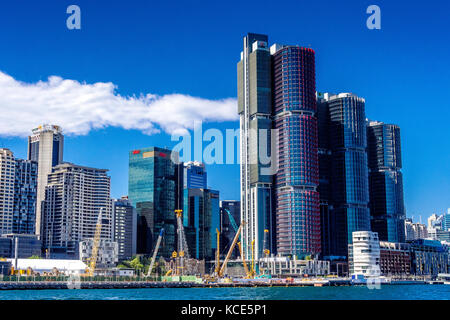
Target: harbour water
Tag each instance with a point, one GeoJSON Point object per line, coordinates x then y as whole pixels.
{"type": "Point", "coordinates": [386, 292]}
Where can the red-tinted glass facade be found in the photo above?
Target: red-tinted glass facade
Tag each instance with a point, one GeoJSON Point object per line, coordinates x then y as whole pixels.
{"type": "Point", "coordinates": [296, 182]}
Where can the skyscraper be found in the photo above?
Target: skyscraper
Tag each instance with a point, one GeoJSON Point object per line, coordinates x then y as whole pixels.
{"type": "Point", "coordinates": [45, 146]}
{"type": "Point", "coordinates": [124, 228]}
{"type": "Point", "coordinates": [276, 90]}
{"type": "Point", "coordinates": [386, 181]}
{"type": "Point", "coordinates": [154, 181]}
{"type": "Point", "coordinates": [200, 212]}
{"type": "Point", "coordinates": [255, 116]}
{"type": "Point", "coordinates": [7, 172]}
{"type": "Point", "coordinates": [25, 192]}
{"type": "Point", "coordinates": [74, 198]}
{"type": "Point", "coordinates": [296, 182]}
{"type": "Point", "coordinates": [344, 178]}
{"type": "Point", "coordinates": [227, 230]}
{"type": "Point", "coordinates": [18, 180]}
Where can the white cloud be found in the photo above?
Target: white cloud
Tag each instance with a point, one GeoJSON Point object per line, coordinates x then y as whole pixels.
{"type": "Point", "coordinates": [80, 107]}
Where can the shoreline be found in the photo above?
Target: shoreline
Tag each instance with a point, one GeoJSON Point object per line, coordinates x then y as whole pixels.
{"type": "Point", "coordinates": [46, 285]}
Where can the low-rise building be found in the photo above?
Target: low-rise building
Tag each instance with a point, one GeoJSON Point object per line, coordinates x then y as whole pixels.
{"type": "Point", "coordinates": [395, 259]}
{"type": "Point", "coordinates": [28, 245]}
{"type": "Point", "coordinates": [428, 257]}
{"type": "Point", "coordinates": [107, 255]}
{"type": "Point", "coordinates": [364, 254]}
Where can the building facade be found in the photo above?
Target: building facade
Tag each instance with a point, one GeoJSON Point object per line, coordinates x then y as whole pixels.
{"type": "Point", "coordinates": [255, 116]}
{"type": "Point", "coordinates": [428, 258]}
{"type": "Point", "coordinates": [395, 259]}
{"type": "Point", "coordinates": [364, 254]}
{"type": "Point", "coordinates": [107, 254]}
{"type": "Point", "coordinates": [7, 173]}
{"type": "Point", "coordinates": [154, 188]}
{"type": "Point", "coordinates": [124, 228]}
{"type": "Point", "coordinates": [28, 245]}
{"type": "Point", "coordinates": [415, 231]}
{"type": "Point", "coordinates": [344, 180]}
{"type": "Point", "coordinates": [74, 198]}
{"type": "Point", "coordinates": [387, 207]}
{"type": "Point", "coordinates": [45, 146]}
{"type": "Point", "coordinates": [18, 190]}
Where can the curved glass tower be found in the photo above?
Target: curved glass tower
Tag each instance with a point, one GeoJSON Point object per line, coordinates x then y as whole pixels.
{"type": "Point", "coordinates": [296, 182]}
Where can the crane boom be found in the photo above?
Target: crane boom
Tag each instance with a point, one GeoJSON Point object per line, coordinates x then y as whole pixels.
{"type": "Point", "coordinates": [216, 270]}
{"type": "Point", "coordinates": [233, 222]}
{"type": "Point", "coordinates": [236, 237]}
{"type": "Point", "coordinates": [155, 252]}
{"type": "Point", "coordinates": [98, 230]}
{"type": "Point", "coordinates": [182, 243]}
{"type": "Point", "coordinates": [243, 259]}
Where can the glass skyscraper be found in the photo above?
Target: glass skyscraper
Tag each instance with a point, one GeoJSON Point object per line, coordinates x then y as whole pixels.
{"type": "Point", "coordinates": [154, 181]}
{"type": "Point", "coordinates": [276, 90]}
{"type": "Point", "coordinates": [386, 181]}
{"type": "Point", "coordinates": [344, 178]}
{"type": "Point", "coordinates": [294, 108]}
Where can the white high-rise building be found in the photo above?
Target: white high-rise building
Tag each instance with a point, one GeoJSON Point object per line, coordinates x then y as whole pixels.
{"type": "Point", "coordinates": [75, 196]}
{"type": "Point", "coordinates": [45, 146]}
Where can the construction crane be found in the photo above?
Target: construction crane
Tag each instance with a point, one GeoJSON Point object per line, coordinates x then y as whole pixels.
{"type": "Point", "coordinates": [233, 222]}
{"type": "Point", "coordinates": [98, 231]}
{"type": "Point", "coordinates": [247, 272]}
{"type": "Point", "coordinates": [217, 268]}
{"type": "Point", "coordinates": [266, 249]}
{"type": "Point", "coordinates": [155, 252]}
{"type": "Point", "coordinates": [182, 246]}
{"type": "Point", "coordinates": [236, 237]}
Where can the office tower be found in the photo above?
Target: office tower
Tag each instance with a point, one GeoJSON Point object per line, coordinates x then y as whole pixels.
{"type": "Point", "coordinates": [154, 190]}
{"type": "Point", "coordinates": [227, 229]}
{"type": "Point", "coordinates": [344, 171]}
{"type": "Point", "coordinates": [276, 90]}
{"type": "Point", "coordinates": [255, 117]}
{"type": "Point", "coordinates": [201, 213]}
{"type": "Point", "coordinates": [124, 227]}
{"type": "Point", "coordinates": [387, 207]}
{"type": "Point", "coordinates": [45, 146]}
{"type": "Point", "coordinates": [74, 198]}
{"type": "Point", "coordinates": [296, 182]}
{"type": "Point", "coordinates": [25, 192]}
{"type": "Point", "coordinates": [18, 180]}
{"type": "Point", "coordinates": [7, 172]}
{"type": "Point", "coordinates": [195, 175]}
{"type": "Point", "coordinates": [446, 221]}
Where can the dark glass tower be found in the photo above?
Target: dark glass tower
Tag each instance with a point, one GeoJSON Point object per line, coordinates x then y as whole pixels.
{"type": "Point", "coordinates": [386, 181]}
{"type": "Point", "coordinates": [154, 188]}
{"type": "Point", "coordinates": [296, 182]}
{"type": "Point", "coordinates": [344, 177]}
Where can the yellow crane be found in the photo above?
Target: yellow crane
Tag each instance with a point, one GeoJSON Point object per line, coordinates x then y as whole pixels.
{"type": "Point", "coordinates": [216, 270]}
{"type": "Point", "coordinates": [230, 251]}
{"type": "Point", "coordinates": [98, 230]}
{"type": "Point", "coordinates": [247, 272]}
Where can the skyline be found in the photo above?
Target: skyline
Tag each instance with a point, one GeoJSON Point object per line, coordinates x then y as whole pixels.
{"type": "Point", "coordinates": [425, 166]}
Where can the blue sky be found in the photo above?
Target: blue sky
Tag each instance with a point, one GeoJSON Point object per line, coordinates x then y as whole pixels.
{"type": "Point", "coordinates": [192, 47]}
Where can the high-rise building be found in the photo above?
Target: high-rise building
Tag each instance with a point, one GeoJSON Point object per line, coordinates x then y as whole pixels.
{"type": "Point", "coordinates": [25, 192]}
{"type": "Point", "coordinates": [344, 178]}
{"type": "Point", "coordinates": [7, 173]}
{"type": "Point", "coordinates": [255, 116]}
{"type": "Point", "coordinates": [45, 146]}
{"type": "Point", "coordinates": [18, 180]}
{"type": "Point", "coordinates": [195, 175]}
{"type": "Point", "coordinates": [294, 109]}
{"type": "Point", "coordinates": [74, 198]}
{"type": "Point", "coordinates": [415, 231]}
{"type": "Point", "coordinates": [227, 230]}
{"type": "Point", "coordinates": [154, 181]}
{"type": "Point", "coordinates": [124, 228]}
{"type": "Point", "coordinates": [387, 207]}
{"type": "Point", "coordinates": [201, 213]}
{"type": "Point", "coordinates": [279, 163]}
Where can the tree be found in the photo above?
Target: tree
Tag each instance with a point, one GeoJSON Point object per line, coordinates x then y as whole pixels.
{"type": "Point", "coordinates": [34, 257]}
